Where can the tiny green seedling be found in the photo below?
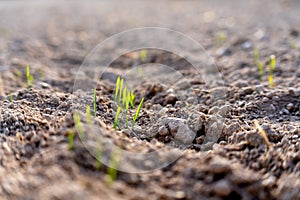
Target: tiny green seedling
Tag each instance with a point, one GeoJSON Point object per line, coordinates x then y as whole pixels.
{"type": "Point", "coordinates": [117, 88]}
{"type": "Point", "coordinates": [121, 89]}
{"type": "Point", "coordinates": [71, 140]}
{"type": "Point", "coordinates": [131, 99]}
{"type": "Point", "coordinates": [221, 38]}
{"type": "Point", "coordinates": [294, 44]}
{"type": "Point", "coordinates": [29, 77]}
{"type": "Point", "coordinates": [258, 63]}
{"type": "Point", "coordinates": [271, 69]}
{"type": "Point", "coordinates": [78, 124]}
{"type": "Point", "coordinates": [113, 166]}
{"type": "Point", "coordinates": [124, 98]}
{"type": "Point", "coordinates": [95, 102]}
{"type": "Point", "coordinates": [17, 73]}
{"type": "Point", "coordinates": [88, 114]}
{"type": "Point", "coordinates": [143, 55]}
{"type": "Point", "coordinates": [137, 113]}
{"type": "Point", "coordinates": [10, 97]}
{"type": "Point", "coordinates": [116, 121]}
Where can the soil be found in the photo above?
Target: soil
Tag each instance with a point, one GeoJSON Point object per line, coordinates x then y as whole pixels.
{"type": "Point", "coordinates": [223, 155]}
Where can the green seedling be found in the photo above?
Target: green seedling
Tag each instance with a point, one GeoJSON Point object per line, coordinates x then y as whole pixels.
{"type": "Point", "coordinates": [124, 98]}
{"type": "Point", "coordinates": [95, 102]}
{"type": "Point", "coordinates": [10, 97]}
{"type": "Point", "coordinates": [29, 77]}
{"type": "Point", "coordinates": [258, 63]}
{"type": "Point", "coordinates": [116, 121]}
{"type": "Point", "coordinates": [127, 106]}
{"type": "Point", "coordinates": [117, 88]}
{"type": "Point", "coordinates": [113, 166]}
{"type": "Point", "coordinates": [137, 113]}
{"type": "Point", "coordinates": [221, 38]}
{"type": "Point", "coordinates": [88, 114]}
{"type": "Point", "coordinates": [294, 44]}
{"type": "Point", "coordinates": [71, 140]}
{"type": "Point", "coordinates": [121, 89]}
{"type": "Point", "coordinates": [271, 69]}
{"type": "Point", "coordinates": [131, 99]}
{"type": "Point", "coordinates": [78, 124]}
{"type": "Point", "coordinates": [143, 55]}
{"type": "Point", "coordinates": [98, 157]}
{"type": "Point", "coordinates": [17, 73]}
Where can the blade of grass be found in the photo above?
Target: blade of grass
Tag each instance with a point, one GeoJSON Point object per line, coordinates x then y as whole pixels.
{"type": "Point", "coordinates": [88, 114]}
{"type": "Point", "coordinates": [137, 113]}
{"type": "Point", "coordinates": [124, 99]}
{"type": "Point", "coordinates": [78, 124]}
{"type": "Point", "coordinates": [71, 140]}
{"type": "Point", "coordinates": [132, 97]}
{"type": "Point", "coordinates": [116, 121]}
{"type": "Point", "coordinates": [272, 62]}
{"type": "Point", "coordinates": [271, 81]}
{"type": "Point", "coordinates": [27, 76]}
{"type": "Point", "coordinates": [117, 88]}
{"type": "Point", "coordinates": [143, 55]}
{"type": "Point", "coordinates": [10, 97]}
{"type": "Point", "coordinates": [258, 63]}
{"type": "Point", "coordinates": [121, 89]}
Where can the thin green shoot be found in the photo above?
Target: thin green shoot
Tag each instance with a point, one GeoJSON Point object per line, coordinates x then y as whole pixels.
{"type": "Point", "coordinates": [17, 73]}
{"type": "Point", "coordinates": [127, 107]}
{"type": "Point", "coordinates": [10, 97]}
{"type": "Point", "coordinates": [272, 62]}
{"type": "Point", "coordinates": [127, 102]}
{"type": "Point", "coordinates": [88, 114]}
{"type": "Point", "coordinates": [95, 102]}
{"type": "Point", "coordinates": [137, 113]}
{"type": "Point", "coordinates": [221, 37]}
{"type": "Point", "coordinates": [116, 121]}
{"type": "Point", "coordinates": [271, 81]}
{"type": "Point", "coordinates": [259, 64]}
{"type": "Point", "coordinates": [131, 99]}
{"type": "Point", "coordinates": [143, 55]}
{"type": "Point", "coordinates": [117, 88]}
{"type": "Point", "coordinates": [294, 44]}
{"type": "Point", "coordinates": [29, 77]}
{"type": "Point", "coordinates": [78, 124]}
{"type": "Point", "coordinates": [98, 157]}
{"type": "Point", "coordinates": [120, 92]}
{"type": "Point", "coordinates": [124, 99]}
{"type": "Point", "coordinates": [113, 166]}
{"type": "Point", "coordinates": [271, 69]}
{"type": "Point", "coordinates": [71, 140]}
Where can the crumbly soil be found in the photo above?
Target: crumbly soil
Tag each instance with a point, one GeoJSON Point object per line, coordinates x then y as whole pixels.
{"type": "Point", "coordinates": [55, 37]}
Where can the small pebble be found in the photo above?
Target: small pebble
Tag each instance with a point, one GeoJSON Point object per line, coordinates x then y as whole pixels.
{"type": "Point", "coordinates": [290, 106]}
{"type": "Point", "coordinates": [222, 188]}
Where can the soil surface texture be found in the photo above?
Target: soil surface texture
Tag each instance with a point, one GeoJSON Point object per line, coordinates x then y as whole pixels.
{"type": "Point", "coordinates": [236, 136]}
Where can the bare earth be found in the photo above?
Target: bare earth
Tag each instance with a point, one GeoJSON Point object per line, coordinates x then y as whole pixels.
{"type": "Point", "coordinates": [54, 38]}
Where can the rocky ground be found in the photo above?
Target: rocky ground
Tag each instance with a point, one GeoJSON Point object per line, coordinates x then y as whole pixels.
{"type": "Point", "coordinates": [200, 145]}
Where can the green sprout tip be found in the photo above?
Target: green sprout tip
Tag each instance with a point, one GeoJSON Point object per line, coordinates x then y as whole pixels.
{"type": "Point", "coordinates": [137, 113]}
